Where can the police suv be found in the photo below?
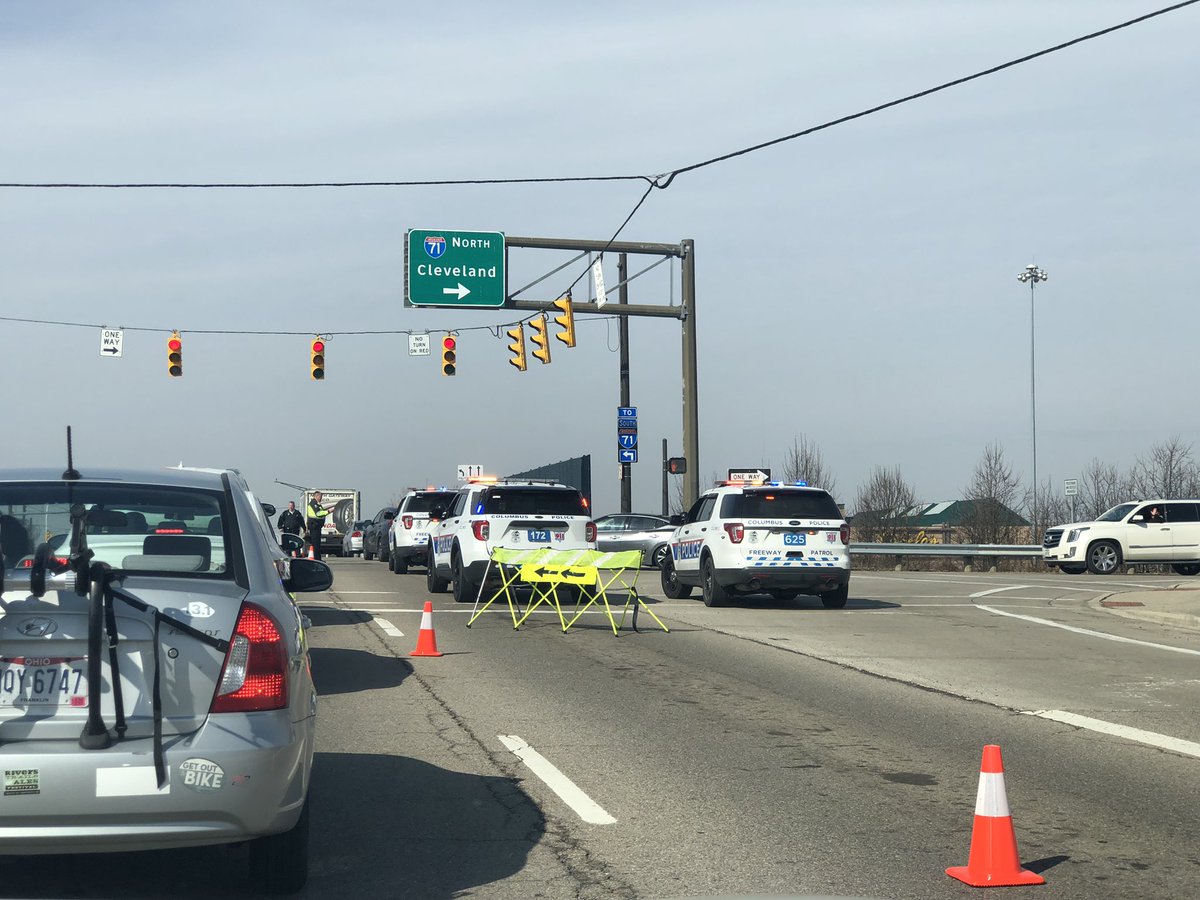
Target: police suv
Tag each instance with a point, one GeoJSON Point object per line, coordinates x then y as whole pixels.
{"type": "Point", "coordinates": [408, 537]}
{"type": "Point", "coordinates": [760, 537]}
{"type": "Point", "coordinates": [519, 514]}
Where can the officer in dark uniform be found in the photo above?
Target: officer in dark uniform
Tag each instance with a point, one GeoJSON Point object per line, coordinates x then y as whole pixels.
{"type": "Point", "coordinates": [290, 520]}
{"type": "Point", "coordinates": [316, 514]}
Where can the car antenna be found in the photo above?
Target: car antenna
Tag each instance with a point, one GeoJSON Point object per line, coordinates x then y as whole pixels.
{"type": "Point", "coordinates": [71, 474]}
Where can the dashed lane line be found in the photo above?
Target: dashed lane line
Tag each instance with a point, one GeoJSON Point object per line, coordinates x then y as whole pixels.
{"type": "Point", "coordinates": [569, 792]}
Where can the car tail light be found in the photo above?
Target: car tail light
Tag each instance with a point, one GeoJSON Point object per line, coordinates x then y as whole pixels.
{"type": "Point", "coordinates": [844, 531]}
{"type": "Point", "coordinates": [736, 531]}
{"type": "Point", "coordinates": [254, 676]}
{"type": "Point", "coordinates": [481, 530]}
{"type": "Point", "coordinates": [589, 532]}
{"type": "Point", "coordinates": [356, 534]}
{"type": "Point", "coordinates": [408, 521]}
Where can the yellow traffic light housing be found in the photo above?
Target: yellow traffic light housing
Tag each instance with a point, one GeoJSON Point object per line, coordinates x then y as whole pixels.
{"type": "Point", "coordinates": [518, 348]}
{"type": "Point", "coordinates": [318, 359]}
{"type": "Point", "coordinates": [566, 320]}
{"type": "Point", "coordinates": [174, 355]}
{"type": "Point", "coordinates": [449, 355]}
{"type": "Point", "coordinates": [540, 338]}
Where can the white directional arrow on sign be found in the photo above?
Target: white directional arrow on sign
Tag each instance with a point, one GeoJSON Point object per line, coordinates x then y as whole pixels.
{"type": "Point", "coordinates": [462, 290]}
{"type": "Point", "coordinates": [749, 475]}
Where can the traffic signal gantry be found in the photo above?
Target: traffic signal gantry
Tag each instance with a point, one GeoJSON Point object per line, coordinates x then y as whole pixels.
{"type": "Point", "coordinates": [566, 320]}
{"type": "Point", "coordinates": [540, 339]}
{"type": "Point", "coordinates": [449, 355]}
{"type": "Point", "coordinates": [174, 355]}
{"type": "Point", "coordinates": [518, 347]}
{"type": "Point", "coordinates": [317, 360]}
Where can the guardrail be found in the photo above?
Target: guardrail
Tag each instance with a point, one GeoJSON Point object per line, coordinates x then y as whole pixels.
{"type": "Point", "coordinates": [966, 551]}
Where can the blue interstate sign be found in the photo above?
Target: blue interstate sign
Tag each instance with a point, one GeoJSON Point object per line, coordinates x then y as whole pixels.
{"type": "Point", "coordinates": [628, 441]}
{"type": "Point", "coordinates": [626, 422]}
{"type": "Point", "coordinates": [626, 412]}
{"type": "Point", "coordinates": [626, 456]}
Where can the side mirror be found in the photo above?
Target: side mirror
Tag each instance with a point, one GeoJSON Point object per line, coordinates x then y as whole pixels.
{"type": "Point", "coordinates": [1137, 519]}
{"type": "Point", "coordinates": [268, 508]}
{"type": "Point", "coordinates": [676, 519]}
{"type": "Point", "coordinates": [290, 542]}
{"type": "Point", "coordinates": [307, 575]}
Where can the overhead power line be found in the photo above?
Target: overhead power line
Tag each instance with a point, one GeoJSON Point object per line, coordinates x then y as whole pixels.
{"type": "Point", "coordinates": [660, 181]}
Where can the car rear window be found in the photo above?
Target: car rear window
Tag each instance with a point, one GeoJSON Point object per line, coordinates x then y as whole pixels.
{"type": "Point", "coordinates": [143, 529]}
{"type": "Point", "coordinates": [427, 500]}
{"type": "Point", "coordinates": [777, 504]}
{"type": "Point", "coordinates": [531, 501]}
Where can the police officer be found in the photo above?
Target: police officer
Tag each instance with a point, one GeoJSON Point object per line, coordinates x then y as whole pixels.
{"type": "Point", "coordinates": [290, 520]}
{"type": "Point", "coordinates": [316, 513]}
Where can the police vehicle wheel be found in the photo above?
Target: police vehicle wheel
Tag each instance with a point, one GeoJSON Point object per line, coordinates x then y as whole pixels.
{"type": "Point", "coordinates": [399, 566]}
{"type": "Point", "coordinates": [1188, 569]}
{"type": "Point", "coordinates": [434, 584]}
{"type": "Point", "coordinates": [278, 863]}
{"type": "Point", "coordinates": [836, 599]}
{"type": "Point", "coordinates": [672, 587]}
{"type": "Point", "coordinates": [714, 594]}
{"type": "Point", "coordinates": [465, 590]}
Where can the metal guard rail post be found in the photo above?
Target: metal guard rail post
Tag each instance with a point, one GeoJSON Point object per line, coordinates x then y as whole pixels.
{"type": "Point", "coordinates": [966, 551]}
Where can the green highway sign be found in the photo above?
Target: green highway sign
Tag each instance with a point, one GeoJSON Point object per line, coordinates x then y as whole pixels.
{"type": "Point", "coordinates": [454, 268]}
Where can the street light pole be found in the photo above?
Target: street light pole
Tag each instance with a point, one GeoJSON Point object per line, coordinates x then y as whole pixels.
{"type": "Point", "coordinates": [1033, 275]}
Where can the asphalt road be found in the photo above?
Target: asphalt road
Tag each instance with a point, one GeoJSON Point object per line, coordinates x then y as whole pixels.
{"type": "Point", "coordinates": [772, 748]}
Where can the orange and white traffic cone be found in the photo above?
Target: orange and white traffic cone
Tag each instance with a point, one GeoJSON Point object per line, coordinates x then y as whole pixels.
{"type": "Point", "coordinates": [994, 861]}
{"type": "Point", "coordinates": [311, 555]}
{"type": "Point", "coordinates": [426, 639]}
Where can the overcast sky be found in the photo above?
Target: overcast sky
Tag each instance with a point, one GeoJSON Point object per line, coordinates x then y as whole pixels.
{"type": "Point", "coordinates": [857, 286]}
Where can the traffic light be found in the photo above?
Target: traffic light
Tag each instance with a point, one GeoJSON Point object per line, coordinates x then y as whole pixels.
{"type": "Point", "coordinates": [566, 320]}
{"type": "Point", "coordinates": [449, 355]}
{"type": "Point", "coordinates": [174, 355]}
{"type": "Point", "coordinates": [318, 359]}
{"type": "Point", "coordinates": [540, 339]}
{"type": "Point", "coordinates": [518, 348]}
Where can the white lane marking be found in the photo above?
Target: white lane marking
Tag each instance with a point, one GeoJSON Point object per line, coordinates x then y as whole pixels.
{"type": "Point", "coordinates": [388, 628]}
{"type": "Point", "coordinates": [585, 807]}
{"type": "Point", "coordinates": [1041, 584]}
{"type": "Point", "coordinates": [367, 592]}
{"type": "Point", "coordinates": [537, 612]}
{"type": "Point", "coordinates": [999, 590]}
{"type": "Point", "coordinates": [1152, 738]}
{"type": "Point", "coordinates": [1088, 632]}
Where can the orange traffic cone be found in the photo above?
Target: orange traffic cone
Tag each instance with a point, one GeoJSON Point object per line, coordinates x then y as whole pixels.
{"type": "Point", "coordinates": [311, 555]}
{"type": "Point", "coordinates": [426, 639]}
{"type": "Point", "coordinates": [994, 861]}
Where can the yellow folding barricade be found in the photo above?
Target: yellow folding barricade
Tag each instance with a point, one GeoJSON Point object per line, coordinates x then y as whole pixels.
{"type": "Point", "coordinates": [595, 573]}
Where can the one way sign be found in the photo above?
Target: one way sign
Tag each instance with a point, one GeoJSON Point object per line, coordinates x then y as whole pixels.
{"type": "Point", "coordinates": [110, 341]}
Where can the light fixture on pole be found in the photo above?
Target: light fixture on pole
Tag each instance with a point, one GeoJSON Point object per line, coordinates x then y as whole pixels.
{"type": "Point", "coordinates": [1033, 275]}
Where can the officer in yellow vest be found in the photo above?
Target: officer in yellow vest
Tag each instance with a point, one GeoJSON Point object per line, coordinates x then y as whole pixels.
{"type": "Point", "coordinates": [316, 513]}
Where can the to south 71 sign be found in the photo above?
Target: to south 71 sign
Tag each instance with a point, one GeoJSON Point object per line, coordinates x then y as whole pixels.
{"type": "Point", "coordinates": [454, 268]}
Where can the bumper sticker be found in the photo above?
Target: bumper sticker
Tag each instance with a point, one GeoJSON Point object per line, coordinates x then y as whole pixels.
{"type": "Point", "coordinates": [22, 782]}
{"type": "Point", "coordinates": [202, 775]}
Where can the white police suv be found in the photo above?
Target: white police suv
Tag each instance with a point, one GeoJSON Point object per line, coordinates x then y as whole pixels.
{"type": "Point", "coordinates": [760, 537]}
{"type": "Point", "coordinates": [408, 537]}
{"type": "Point", "coordinates": [519, 514]}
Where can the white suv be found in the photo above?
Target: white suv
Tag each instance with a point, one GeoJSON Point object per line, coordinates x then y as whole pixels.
{"type": "Point", "coordinates": [1146, 531]}
{"type": "Point", "coordinates": [517, 514]}
{"type": "Point", "coordinates": [758, 537]}
{"type": "Point", "coordinates": [408, 537]}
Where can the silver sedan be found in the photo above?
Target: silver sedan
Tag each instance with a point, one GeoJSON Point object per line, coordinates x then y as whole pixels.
{"type": "Point", "coordinates": [635, 531]}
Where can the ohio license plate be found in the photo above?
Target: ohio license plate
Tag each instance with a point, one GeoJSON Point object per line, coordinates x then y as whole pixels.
{"type": "Point", "coordinates": [793, 539]}
{"type": "Point", "coordinates": [43, 682]}
{"type": "Point", "coordinates": [539, 536]}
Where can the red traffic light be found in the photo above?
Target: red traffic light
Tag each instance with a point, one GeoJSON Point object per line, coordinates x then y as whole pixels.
{"type": "Point", "coordinates": [318, 346]}
{"type": "Point", "coordinates": [174, 344]}
{"type": "Point", "coordinates": [448, 343]}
